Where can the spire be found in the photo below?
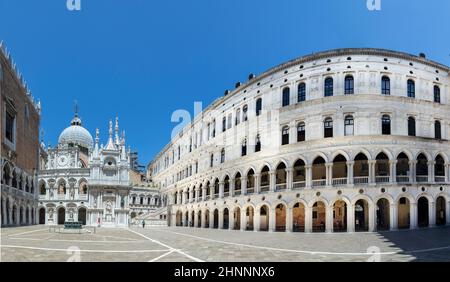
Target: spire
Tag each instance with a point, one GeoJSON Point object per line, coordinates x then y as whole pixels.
{"type": "Point", "coordinates": [76, 120]}
{"type": "Point", "coordinates": [97, 138]}
{"type": "Point", "coordinates": [110, 145]}
{"type": "Point", "coordinates": [117, 132]}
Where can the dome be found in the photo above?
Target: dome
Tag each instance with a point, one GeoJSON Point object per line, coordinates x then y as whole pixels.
{"type": "Point", "coordinates": [76, 134]}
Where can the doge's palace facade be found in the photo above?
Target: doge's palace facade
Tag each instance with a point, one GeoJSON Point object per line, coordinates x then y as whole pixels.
{"type": "Point", "coordinates": [343, 140]}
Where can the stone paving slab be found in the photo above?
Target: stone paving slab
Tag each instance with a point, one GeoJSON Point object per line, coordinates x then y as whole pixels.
{"type": "Point", "coordinates": [162, 244]}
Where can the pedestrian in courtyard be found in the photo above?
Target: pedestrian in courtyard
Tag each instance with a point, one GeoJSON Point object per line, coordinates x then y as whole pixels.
{"type": "Point", "coordinates": [143, 223]}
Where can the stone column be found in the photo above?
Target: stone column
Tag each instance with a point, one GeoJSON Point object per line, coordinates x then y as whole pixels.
{"type": "Point", "coordinates": [413, 215]}
{"type": "Point", "coordinates": [372, 171]}
{"type": "Point", "coordinates": [5, 219]}
{"type": "Point", "coordinates": [257, 220]}
{"type": "Point", "coordinates": [232, 186]}
{"type": "Point", "coordinates": [272, 181]}
{"type": "Point", "coordinates": [272, 219]}
{"type": "Point", "coordinates": [329, 174]}
{"type": "Point", "coordinates": [289, 222]}
{"type": "Point", "coordinates": [412, 171]}
{"type": "Point", "coordinates": [308, 172]}
{"type": "Point", "coordinates": [447, 213]}
{"type": "Point", "coordinates": [230, 219]}
{"type": "Point", "coordinates": [195, 218]}
{"type": "Point", "coordinates": [431, 171]}
{"type": "Point", "coordinates": [221, 219]}
{"type": "Point", "coordinates": [350, 218]}
{"type": "Point", "coordinates": [191, 195]}
{"type": "Point", "coordinates": [447, 172]}
{"type": "Point", "coordinates": [221, 186]}
{"type": "Point", "coordinates": [371, 217]}
{"type": "Point", "coordinates": [289, 178]}
{"type": "Point", "coordinates": [243, 185]}
{"type": "Point", "coordinates": [211, 219]}
{"type": "Point", "coordinates": [392, 171]}
{"type": "Point", "coordinates": [257, 177]}
{"type": "Point", "coordinates": [432, 214]}
{"type": "Point", "coordinates": [350, 165]}
{"type": "Point", "coordinates": [308, 219]}
{"type": "Point", "coordinates": [243, 220]}
{"type": "Point", "coordinates": [328, 219]}
{"type": "Point", "coordinates": [393, 217]}
{"type": "Point", "coordinates": [196, 194]}
{"type": "Point", "coordinates": [203, 219]}
{"type": "Point", "coordinates": [204, 192]}
{"type": "Point", "coordinates": [179, 198]}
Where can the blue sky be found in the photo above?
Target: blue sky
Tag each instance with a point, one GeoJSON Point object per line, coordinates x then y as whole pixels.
{"type": "Point", "coordinates": [142, 60]}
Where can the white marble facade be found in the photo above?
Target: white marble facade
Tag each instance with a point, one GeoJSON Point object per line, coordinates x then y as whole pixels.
{"type": "Point", "coordinates": [84, 181]}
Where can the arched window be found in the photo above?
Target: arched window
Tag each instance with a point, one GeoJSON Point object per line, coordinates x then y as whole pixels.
{"type": "Point", "coordinates": [214, 128]}
{"type": "Point", "coordinates": [258, 106]}
{"type": "Point", "coordinates": [328, 87]}
{"type": "Point", "coordinates": [385, 85]}
{"type": "Point", "coordinates": [211, 158]}
{"type": "Point", "coordinates": [286, 96]}
{"type": "Point", "coordinates": [437, 130]}
{"type": "Point", "coordinates": [244, 148]}
{"type": "Point", "coordinates": [179, 152]}
{"type": "Point", "coordinates": [411, 126]}
{"type": "Point", "coordinates": [222, 156]}
{"type": "Point", "coordinates": [224, 124]}
{"type": "Point", "coordinates": [238, 116]}
{"type": "Point", "coordinates": [349, 125]}
{"type": "Point", "coordinates": [230, 118]}
{"type": "Point", "coordinates": [411, 88]}
{"type": "Point", "coordinates": [258, 143]}
{"type": "Point", "coordinates": [244, 113]}
{"type": "Point", "coordinates": [301, 92]}
{"type": "Point", "coordinates": [437, 94]}
{"type": "Point", "coordinates": [328, 127]}
{"type": "Point", "coordinates": [349, 85]}
{"type": "Point", "coordinates": [386, 125]}
{"type": "Point", "coordinates": [301, 132]}
{"type": "Point", "coordinates": [285, 135]}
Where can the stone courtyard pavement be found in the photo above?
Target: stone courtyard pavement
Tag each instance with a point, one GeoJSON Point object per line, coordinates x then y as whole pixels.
{"type": "Point", "coordinates": [39, 243]}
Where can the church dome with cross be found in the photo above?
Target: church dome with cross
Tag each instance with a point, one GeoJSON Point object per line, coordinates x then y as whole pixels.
{"type": "Point", "coordinates": [76, 135]}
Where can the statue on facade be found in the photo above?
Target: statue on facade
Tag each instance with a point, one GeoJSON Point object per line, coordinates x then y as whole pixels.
{"type": "Point", "coordinates": [50, 213]}
{"type": "Point", "coordinates": [108, 206]}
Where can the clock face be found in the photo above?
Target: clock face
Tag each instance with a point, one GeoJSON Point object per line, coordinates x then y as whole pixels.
{"type": "Point", "coordinates": [62, 161]}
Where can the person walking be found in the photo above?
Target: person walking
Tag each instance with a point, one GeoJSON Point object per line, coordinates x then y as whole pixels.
{"type": "Point", "coordinates": [143, 223]}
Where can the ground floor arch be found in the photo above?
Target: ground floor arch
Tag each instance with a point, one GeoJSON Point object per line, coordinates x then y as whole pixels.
{"type": "Point", "coordinates": [318, 217]}
{"type": "Point", "coordinates": [61, 215]}
{"type": "Point", "coordinates": [207, 219]}
{"type": "Point", "coordinates": [226, 218]}
{"type": "Point", "coordinates": [250, 214]}
{"type": "Point", "coordinates": [403, 213]}
{"type": "Point", "coordinates": [179, 218]}
{"type": "Point", "coordinates": [191, 222]}
{"type": "Point", "coordinates": [199, 219]}
{"type": "Point", "coordinates": [423, 219]}
{"type": "Point", "coordinates": [298, 218]}
{"type": "Point", "coordinates": [237, 218]}
{"type": "Point", "coordinates": [383, 215]}
{"type": "Point", "coordinates": [361, 216]}
{"type": "Point", "coordinates": [42, 216]}
{"type": "Point", "coordinates": [340, 216]}
{"type": "Point", "coordinates": [280, 217]}
{"type": "Point", "coordinates": [82, 215]}
{"type": "Point", "coordinates": [264, 218]}
{"type": "Point", "coordinates": [216, 219]}
{"type": "Point", "coordinates": [440, 211]}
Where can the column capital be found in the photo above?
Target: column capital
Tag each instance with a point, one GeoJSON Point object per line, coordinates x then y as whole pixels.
{"type": "Point", "coordinates": [372, 161]}
{"type": "Point", "coordinates": [328, 164]}
{"type": "Point", "coordinates": [412, 162]}
{"type": "Point", "coordinates": [393, 162]}
{"type": "Point", "coordinates": [350, 162]}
